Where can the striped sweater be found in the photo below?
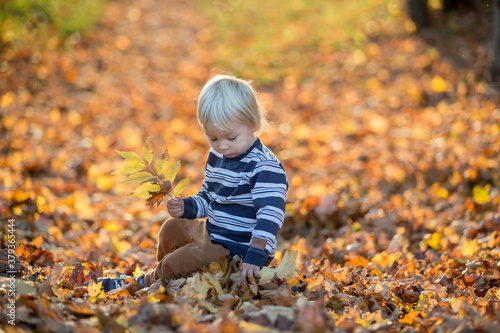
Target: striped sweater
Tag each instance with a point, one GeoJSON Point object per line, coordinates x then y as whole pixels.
{"type": "Point", "coordinates": [242, 198]}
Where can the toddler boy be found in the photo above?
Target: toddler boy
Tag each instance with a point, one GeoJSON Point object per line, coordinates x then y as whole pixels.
{"type": "Point", "coordinates": [241, 205]}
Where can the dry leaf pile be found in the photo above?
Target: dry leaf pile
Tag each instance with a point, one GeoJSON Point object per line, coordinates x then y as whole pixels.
{"type": "Point", "coordinates": [391, 147]}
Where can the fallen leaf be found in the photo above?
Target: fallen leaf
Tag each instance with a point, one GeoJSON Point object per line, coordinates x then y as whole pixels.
{"type": "Point", "coordinates": [147, 150]}
{"type": "Point", "coordinates": [284, 271]}
{"type": "Point", "coordinates": [481, 194]}
{"type": "Point", "coordinates": [438, 84]}
{"type": "Point", "coordinates": [469, 247]}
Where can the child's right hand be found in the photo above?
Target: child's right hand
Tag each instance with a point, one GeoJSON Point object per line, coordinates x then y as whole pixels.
{"type": "Point", "coordinates": [175, 206]}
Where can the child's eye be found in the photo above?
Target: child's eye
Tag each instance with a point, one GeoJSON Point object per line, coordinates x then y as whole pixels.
{"type": "Point", "coordinates": [232, 139]}
{"type": "Point", "coordinates": [212, 139]}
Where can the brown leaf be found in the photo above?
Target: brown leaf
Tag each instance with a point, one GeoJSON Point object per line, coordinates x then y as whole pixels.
{"type": "Point", "coordinates": [51, 281]}
{"type": "Point", "coordinates": [157, 196]}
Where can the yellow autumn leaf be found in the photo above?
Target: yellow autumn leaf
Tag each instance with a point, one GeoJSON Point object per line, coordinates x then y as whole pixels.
{"type": "Point", "coordinates": [94, 289]}
{"type": "Point", "coordinates": [147, 150]}
{"type": "Point", "coordinates": [143, 190]}
{"type": "Point", "coordinates": [7, 99]}
{"type": "Point", "coordinates": [438, 84]}
{"type": "Point", "coordinates": [200, 286]}
{"type": "Point", "coordinates": [349, 127]}
{"type": "Point", "coordinates": [95, 292]}
{"type": "Point", "coordinates": [443, 193]}
{"type": "Point", "coordinates": [131, 156]}
{"type": "Point", "coordinates": [137, 272]}
{"type": "Point", "coordinates": [162, 162]}
{"type": "Point", "coordinates": [129, 168]}
{"type": "Point", "coordinates": [172, 170]}
{"type": "Point", "coordinates": [18, 210]}
{"type": "Point", "coordinates": [434, 241]}
{"type": "Point", "coordinates": [284, 271]}
{"type": "Point", "coordinates": [181, 186]}
{"type": "Point", "coordinates": [216, 284]}
{"type": "Point", "coordinates": [469, 247]}
{"type": "Point", "coordinates": [160, 165]}
{"type": "Point", "coordinates": [104, 183]}
{"type": "Point", "coordinates": [153, 299]}
{"type": "Point", "coordinates": [112, 226]}
{"type": "Point", "coordinates": [138, 177]}
{"type": "Point", "coordinates": [373, 84]}
{"type": "Point", "coordinates": [410, 26]}
{"type": "Point", "coordinates": [481, 194]}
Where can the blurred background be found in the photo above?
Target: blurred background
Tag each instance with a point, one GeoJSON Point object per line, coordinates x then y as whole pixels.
{"type": "Point", "coordinates": [371, 117]}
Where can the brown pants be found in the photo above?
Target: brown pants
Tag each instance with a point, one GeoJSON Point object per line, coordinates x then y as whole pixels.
{"type": "Point", "coordinates": [184, 247]}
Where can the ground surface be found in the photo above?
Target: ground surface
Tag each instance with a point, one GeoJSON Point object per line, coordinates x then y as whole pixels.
{"type": "Point", "coordinates": [391, 143]}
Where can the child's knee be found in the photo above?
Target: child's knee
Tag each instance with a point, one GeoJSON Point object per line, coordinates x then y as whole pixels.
{"type": "Point", "coordinates": [169, 227]}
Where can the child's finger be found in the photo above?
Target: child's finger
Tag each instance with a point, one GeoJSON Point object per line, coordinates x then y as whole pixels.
{"type": "Point", "coordinates": [173, 202]}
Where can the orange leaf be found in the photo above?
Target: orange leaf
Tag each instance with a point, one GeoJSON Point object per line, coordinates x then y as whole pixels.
{"type": "Point", "coordinates": [411, 317]}
{"type": "Point", "coordinates": [358, 261]}
{"type": "Point", "coordinates": [116, 293]}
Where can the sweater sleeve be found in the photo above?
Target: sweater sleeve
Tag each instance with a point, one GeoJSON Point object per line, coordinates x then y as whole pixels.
{"type": "Point", "coordinates": [269, 187]}
{"type": "Point", "coordinates": [196, 206]}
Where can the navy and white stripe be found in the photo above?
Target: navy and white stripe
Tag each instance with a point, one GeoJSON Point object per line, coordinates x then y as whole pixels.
{"type": "Point", "coordinates": [242, 198]}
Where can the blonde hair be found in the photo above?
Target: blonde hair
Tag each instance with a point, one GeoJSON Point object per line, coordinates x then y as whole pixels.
{"type": "Point", "coordinates": [225, 99]}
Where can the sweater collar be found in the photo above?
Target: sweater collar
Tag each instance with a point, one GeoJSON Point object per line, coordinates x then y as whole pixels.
{"type": "Point", "coordinates": [238, 158]}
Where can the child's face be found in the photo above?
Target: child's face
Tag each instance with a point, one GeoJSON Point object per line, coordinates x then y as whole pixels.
{"type": "Point", "coordinates": [231, 143]}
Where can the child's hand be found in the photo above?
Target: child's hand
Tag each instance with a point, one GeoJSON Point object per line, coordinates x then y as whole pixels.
{"type": "Point", "coordinates": [249, 271]}
{"type": "Point", "coordinates": [175, 206]}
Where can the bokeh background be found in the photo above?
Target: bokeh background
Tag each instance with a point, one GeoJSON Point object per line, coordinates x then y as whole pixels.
{"type": "Point", "coordinates": [388, 135]}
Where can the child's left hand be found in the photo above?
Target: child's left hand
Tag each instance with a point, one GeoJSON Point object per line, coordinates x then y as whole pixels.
{"type": "Point", "coordinates": [249, 270]}
{"type": "Point", "coordinates": [175, 206]}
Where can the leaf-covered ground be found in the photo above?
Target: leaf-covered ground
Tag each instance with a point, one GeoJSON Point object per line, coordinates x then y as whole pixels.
{"type": "Point", "coordinates": [391, 143]}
